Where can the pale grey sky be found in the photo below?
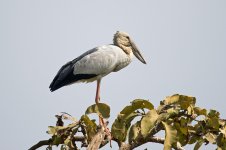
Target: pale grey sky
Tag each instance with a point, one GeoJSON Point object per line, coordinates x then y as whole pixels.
{"type": "Point", "coordinates": [184, 43]}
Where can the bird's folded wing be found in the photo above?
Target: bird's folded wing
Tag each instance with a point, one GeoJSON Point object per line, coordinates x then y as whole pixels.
{"type": "Point", "coordinates": [100, 62]}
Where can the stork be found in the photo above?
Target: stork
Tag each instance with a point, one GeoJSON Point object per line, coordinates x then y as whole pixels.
{"type": "Point", "coordinates": [98, 62]}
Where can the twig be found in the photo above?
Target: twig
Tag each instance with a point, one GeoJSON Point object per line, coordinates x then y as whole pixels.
{"type": "Point", "coordinates": [48, 142]}
{"type": "Point", "coordinates": [40, 144]}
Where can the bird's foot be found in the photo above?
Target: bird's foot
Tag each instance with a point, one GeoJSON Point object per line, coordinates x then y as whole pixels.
{"type": "Point", "coordinates": [106, 129]}
{"type": "Point", "coordinates": [108, 134]}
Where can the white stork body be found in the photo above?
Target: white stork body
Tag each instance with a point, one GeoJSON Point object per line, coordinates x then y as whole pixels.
{"type": "Point", "coordinates": [104, 60]}
{"type": "Point", "coordinates": [97, 63]}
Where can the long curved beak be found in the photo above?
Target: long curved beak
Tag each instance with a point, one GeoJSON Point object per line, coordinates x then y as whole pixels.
{"type": "Point", "coordinates": [137, 53]}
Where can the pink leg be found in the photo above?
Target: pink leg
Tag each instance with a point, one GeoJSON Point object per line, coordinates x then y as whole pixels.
{"type": "Point", "coordinates": [101, 120]}
{"type": "Point", "coordinates": [97, 100]}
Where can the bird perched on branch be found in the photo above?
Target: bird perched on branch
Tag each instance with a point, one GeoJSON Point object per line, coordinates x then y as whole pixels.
{"type": "Point", "coordinates": [98, 62]}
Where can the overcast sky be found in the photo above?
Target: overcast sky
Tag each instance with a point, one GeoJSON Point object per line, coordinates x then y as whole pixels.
{"type": "Point", "coordinates": [183, 42]}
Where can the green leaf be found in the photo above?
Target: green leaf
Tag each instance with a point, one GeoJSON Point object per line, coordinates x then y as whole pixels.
{"type": "Point", "coordinates": [183, 126]}
{"type": "Point", "coordinates": [183, 139]}
{"type": "Point", "coordinates": [121, 125]}
{"type": "Point", "coordinates": [183, 122]}
{"type": "Point", "coordinates": [61, 129]}
{"type": "Point", "coordinates": [103, 110]}
{"type": "Point", "coordinates": [221, 141]}
{"type": "Point", "coordinates": [213, 113]}
{"type": "Point", "coordinates": [213, 122]}
{"type": "Point", "coordinates": [137, 104]}
{"type": "Point", "coordinates": [134, 131]}
{"type": "Point", "coordinates": [186, 101]}
{"type": "Point", "coordinates": [182, 132]}
{"type": "Point", "coordinates": [148, 122]}
{"type": "Point", "coordinates": [123, 121]}
{"type": "Point", "coordinates": [52, 130]}
{"type": "Point", "coordinates": [198, 144]}
{"type": "Point", "coordinates": [172, 99]}
{"type": "Point", "coordinates": [90, 126]}
{"type": "Point", "coordinates": [57, 140]}
{"type": "Point", "coordinates": [170, 136]}
{"type": "Point", "coordinates": [182, 100]}
{"type": "Point", "coordinates": [200, 111]}
{"type": "Point", "coordinates": [193, 139]}
{"type": "Point", "coordinates": [172, 111]}
{"type": "Point", "coordinates": [69, 142]}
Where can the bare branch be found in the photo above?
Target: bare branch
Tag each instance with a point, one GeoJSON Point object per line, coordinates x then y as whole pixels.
{"type": "Point", "coordinates": [146, 140]}
{"type": "Point", "coordinates": [40, 144]}
{"type": "Point", "coordinates": [48, 142]}
{"type": "Point", "coordinates": [154, 140]}
{"type": "Point", "coordinates": [97, 140]}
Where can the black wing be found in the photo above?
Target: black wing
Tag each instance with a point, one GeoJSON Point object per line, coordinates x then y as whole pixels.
{"type": "Point", "coordinates": [65, 75]}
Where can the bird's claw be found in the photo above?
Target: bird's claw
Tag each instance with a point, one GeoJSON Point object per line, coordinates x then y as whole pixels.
{"type": "Point", "coordinates": [106, 129]}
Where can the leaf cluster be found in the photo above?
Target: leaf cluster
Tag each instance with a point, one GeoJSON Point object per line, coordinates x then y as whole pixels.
{"type": "Point", "coordinates": [66, 135]}
{"type": "Point", "coordinates": [138, 123]}
{"type": "Point", "coordinates": [183, 123]}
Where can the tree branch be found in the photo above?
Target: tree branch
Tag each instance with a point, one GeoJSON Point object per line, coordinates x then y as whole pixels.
{"type": "Point", "coordinates": [97, 140]}
{"type": "Point", "coordinates": [40, 144]}
{"type": "Point", "coordinates": [150, 139]}
{"type": "Point", "coordinates": [146, 140]}
{"type": "Point", "coordinates": [49, 142]}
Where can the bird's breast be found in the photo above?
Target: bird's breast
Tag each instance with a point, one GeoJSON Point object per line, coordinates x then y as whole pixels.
{"type": "Point", "coordinates": [123, 60]}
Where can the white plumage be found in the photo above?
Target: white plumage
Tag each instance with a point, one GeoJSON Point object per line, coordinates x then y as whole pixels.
{"type": "Point", "coordinates": [106, 59]}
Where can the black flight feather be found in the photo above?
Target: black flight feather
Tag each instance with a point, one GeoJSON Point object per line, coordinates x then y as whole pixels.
{"type": "Point", "coordinates": [65, 75]}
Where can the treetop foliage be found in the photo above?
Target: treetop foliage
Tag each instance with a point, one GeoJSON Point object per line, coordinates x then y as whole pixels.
{"type": "Point", "coordinates": [177, 115]}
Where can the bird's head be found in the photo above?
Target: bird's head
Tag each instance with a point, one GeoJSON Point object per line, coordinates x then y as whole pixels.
{"type": "Point", "coordinates": [122, 40]}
